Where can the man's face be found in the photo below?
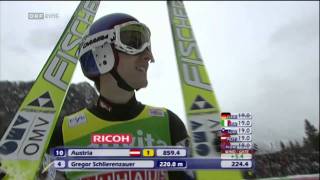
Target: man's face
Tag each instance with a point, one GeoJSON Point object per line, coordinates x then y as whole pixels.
{"type": "Point", "coordinates": [133, 68]}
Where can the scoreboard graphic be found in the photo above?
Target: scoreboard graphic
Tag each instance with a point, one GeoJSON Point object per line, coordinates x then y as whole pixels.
{"type": "Point", "coordinates": [235, 144]}
{"type": "Point", "coordinates": [236, 140]}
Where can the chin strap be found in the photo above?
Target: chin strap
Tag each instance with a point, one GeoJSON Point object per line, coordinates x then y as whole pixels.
{"type": "Point", "coordinates": [120, 81]}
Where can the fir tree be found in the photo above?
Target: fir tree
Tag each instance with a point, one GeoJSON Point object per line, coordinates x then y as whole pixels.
{"type": "Point", "coordinates": [312, 136]}
{"type": "Point", "coordinates": [283, 147]}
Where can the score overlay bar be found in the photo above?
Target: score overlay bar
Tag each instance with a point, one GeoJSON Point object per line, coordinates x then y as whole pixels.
{"type": "Point", "coordinates": [160, 163]}
{"type": "Point", "coordinates": [86, 153]}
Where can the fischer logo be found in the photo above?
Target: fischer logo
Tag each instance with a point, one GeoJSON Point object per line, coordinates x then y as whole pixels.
{"type": "Point", "coordinates": [139, 139]}
{"type": "Point", "coordinates": [111, 138]}
{"type": "Point", "coordinates": [58, 66]}
{"type": "Point", "coordinates": [192, 77]}
{"type": "Point", "coordinates": [205, 127]}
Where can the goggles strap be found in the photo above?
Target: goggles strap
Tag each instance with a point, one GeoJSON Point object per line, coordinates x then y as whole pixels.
{"type": "Point", "coordinates": [96, 40]}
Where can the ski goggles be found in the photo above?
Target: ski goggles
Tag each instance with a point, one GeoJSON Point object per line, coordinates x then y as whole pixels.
{"type": "Point", "coordinates": [131, 37]}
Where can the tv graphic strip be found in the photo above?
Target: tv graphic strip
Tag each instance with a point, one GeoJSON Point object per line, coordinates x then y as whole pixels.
{"type": "Point", "coordinates": [119, 152]}
{"type": "Point", "coordinates": [168, 158]}
{"type": "Point", "coordinates": [152, 164]}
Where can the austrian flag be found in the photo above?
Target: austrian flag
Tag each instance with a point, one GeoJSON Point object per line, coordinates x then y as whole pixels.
{"type": "Point", "coordinates": [135, 152]}
{"type": "Point", "coordinates": [224, 138]}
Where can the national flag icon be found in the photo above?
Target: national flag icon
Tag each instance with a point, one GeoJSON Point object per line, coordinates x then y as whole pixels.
{"type": "Point", "coordinates": [226, 123]}
{"type": "Point", "coordinates": [225, 131]}
{"type": "Point", "coordinates": [225, 138]}
{"type": "Point", "coordinates": [225, 115]}
{"type": "Point", "coordinates": [225, 145]}
{"type": "Point", "coordinates": [135, 152]}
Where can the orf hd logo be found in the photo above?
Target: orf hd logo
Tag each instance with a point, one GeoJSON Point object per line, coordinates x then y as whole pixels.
{"type": "Point", "coordinates": [42, 15]}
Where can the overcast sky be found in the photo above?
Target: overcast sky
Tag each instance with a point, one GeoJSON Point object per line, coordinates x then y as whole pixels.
{"type": "Point", "coordinates": [261, 57]}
